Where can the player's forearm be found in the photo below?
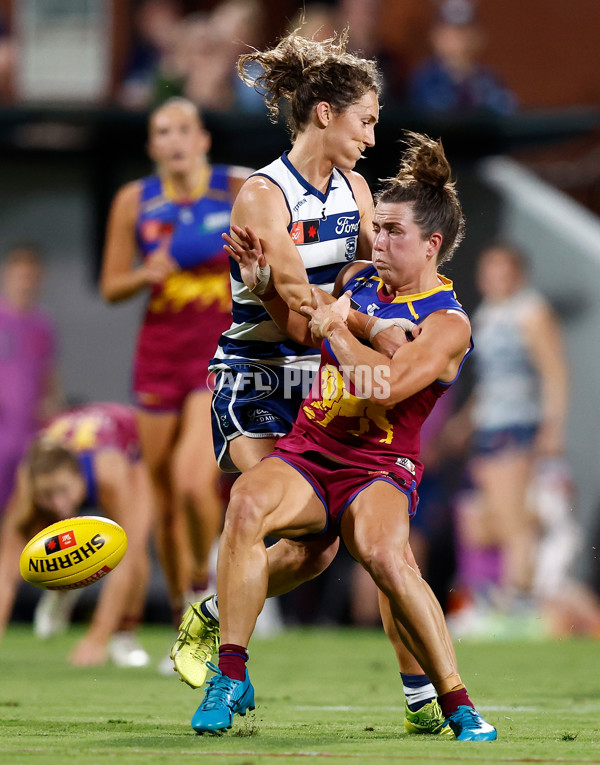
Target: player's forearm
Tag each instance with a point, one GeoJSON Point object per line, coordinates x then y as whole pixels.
{"type": "Point", "coordinates": [294, 293]}
{"type": "Point", "coordinates": [555, 400]}
{"type": "Point", "coordinates": [367, 369]}
{"type": "Point", "coordinates": [9, 573]}
{"type": "Point", "coordinates": [122, 286]}
{"type": "Point", "coordinates": [293, 324]}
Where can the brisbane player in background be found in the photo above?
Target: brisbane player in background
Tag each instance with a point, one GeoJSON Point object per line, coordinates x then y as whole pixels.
{"type": "Point", "coordinates": [87, 460]}
{"type": "Point", "coordinates": [173, 220]}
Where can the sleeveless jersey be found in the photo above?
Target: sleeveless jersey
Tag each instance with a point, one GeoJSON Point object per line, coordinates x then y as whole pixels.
{"type": "Point", "coordinates": [324, 227]}
{"type": "Point", "coordinates": [335, 421]}
{"type": "Point", "coordinates": [88, 430]}
{"type": "Point", "coordinates": [507, 389]}
{"type": "Point", "coordinates": [189, 311]}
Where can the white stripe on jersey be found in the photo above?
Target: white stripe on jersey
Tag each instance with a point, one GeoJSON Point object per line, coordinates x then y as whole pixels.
{"type": "Point", "coordinates": [324, 227]}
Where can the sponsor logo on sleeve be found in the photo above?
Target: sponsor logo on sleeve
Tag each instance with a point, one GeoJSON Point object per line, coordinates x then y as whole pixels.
{"type": "Point", "coordinates": [305, 231]}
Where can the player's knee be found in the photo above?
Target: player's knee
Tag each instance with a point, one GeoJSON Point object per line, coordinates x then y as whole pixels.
{"type": "Point", "coordinates": [388, 568]}
{"type": "Point", "coordinates": [245, 517]}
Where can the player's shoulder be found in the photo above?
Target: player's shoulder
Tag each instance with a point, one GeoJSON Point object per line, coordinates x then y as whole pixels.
{"type": "Point", "coordinates": [236, 177]}
{"type": "Point", "coordinates": [260, 192]}
{"type": "Point", "coordinates": [449, 319]}
{"type": "Point", "coordinates": [356, 180]}
{"type": "Point", "coordinates": [360, 188]}
{"type": "Point", "coordinates": [128, 196]}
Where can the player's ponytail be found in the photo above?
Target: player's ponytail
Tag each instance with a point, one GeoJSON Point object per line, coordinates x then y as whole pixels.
{"type": "Point", "coordinates": [425, 181]}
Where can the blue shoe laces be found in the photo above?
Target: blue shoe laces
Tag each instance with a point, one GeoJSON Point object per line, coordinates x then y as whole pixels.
{"type": "Point", "coordinates": [465, 715]}
{"type": "Point", "coordinates": [220, 688]}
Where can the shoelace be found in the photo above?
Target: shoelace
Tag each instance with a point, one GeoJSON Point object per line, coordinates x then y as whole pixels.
{"type": "Point", "coordinates": [465, 714]}
{"type": "Point", "coordinates": [185, 637]}
{"type": "Point", "coordinates": [220, 688]}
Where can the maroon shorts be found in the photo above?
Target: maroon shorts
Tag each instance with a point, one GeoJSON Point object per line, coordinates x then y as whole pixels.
{"type": "Point", "coordinates": [164, 388]}
{"type": "Point", "coordinates": [338, 485]}
{"type": "Point", "coordinates": [172, 357]}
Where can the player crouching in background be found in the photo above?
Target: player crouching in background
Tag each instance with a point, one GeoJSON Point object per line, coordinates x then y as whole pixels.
{"type": "Point", "coordinates": [86, 460]}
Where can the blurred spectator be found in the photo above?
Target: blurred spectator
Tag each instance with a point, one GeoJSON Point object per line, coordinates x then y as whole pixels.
{"type": "Point", "coordinates": [7, 62]}
{"type": "Point", "coordinates": [193, 56]}
{"type": "Point", "coordinates": [320, 20]}
{"type": "Point", "coordinates": [453, 79]}
{"type": "Point", "coordinates": [29, 392]}
{"type": "Point", "coordinates": [154, 36]}
{"type": "Point", "coordinates": [238, 25]}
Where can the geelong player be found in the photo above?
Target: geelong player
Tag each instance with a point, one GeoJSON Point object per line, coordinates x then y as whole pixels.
{"type": "Point", "coordinates": [85, 460]}
{"type": "Point", "coordinates": [351, 462]}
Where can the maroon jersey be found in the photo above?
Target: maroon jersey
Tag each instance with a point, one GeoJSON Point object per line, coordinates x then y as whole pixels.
{"type": "Point", "coordinates": [187, 314]}
{"type": "Point", "coordinates": [342, 425]}
{"type": "Point", "coordinates": [95, 428]}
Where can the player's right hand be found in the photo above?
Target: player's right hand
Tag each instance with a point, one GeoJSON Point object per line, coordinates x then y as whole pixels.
{"type": "Point", "coordinates": [158, 265]}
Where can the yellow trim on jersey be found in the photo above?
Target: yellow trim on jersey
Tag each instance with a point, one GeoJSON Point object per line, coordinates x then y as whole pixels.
{"type": "Point", "coordinates": [413, 313]}
{"type": "Point", "coordinates": [445, 286]}
{"type": "Point", "coordinates": [198, 191]}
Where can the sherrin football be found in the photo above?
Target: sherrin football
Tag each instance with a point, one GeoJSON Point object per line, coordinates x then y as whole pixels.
{"type": "Point", "coordinates": [73, 553]}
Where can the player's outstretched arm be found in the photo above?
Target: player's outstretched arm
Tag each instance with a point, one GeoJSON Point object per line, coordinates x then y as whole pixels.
{"type": "Point", "coordinates": [12, 540]}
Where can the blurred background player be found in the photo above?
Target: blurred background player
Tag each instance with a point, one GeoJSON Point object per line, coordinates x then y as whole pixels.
{"type": "Point", "coordinates": [174, 220]}
{"type": "Point", "coordinates": [87, 459]}
{"type": "Point", "coordinates": [29, 391]}
{"type": "Point", "coordinates": [518, 416]}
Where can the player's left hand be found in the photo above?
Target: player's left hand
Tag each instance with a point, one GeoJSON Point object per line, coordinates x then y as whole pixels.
{"type": "Point", "coordinates": [323, 316]}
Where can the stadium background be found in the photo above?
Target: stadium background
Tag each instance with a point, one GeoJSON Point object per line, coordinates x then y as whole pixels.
{"type": "Point", "coordinates": [533, 177]}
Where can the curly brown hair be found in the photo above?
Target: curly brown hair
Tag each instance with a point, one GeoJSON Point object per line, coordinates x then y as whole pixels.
{"type": "Point", "coordinates": [424, 180]}
{"type": "Point", "coordinates": [304, 72]}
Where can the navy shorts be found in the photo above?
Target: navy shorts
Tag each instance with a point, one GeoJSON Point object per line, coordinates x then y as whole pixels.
{"type": "Point", "coordinates": [496, 440]}
{"type": "Point", "coordinates": [254, 400]}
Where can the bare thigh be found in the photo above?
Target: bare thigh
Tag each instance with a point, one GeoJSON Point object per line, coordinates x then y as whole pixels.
{"type": "Point", "coordinates": [245, 452]}
{"type": "Point", "coordinates": [158, 432]}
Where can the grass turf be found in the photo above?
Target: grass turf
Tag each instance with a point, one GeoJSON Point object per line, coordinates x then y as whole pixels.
{"type": "Point", "coordinates": [323, 696]}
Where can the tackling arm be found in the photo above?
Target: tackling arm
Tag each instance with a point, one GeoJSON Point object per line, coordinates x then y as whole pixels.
{"type": "Point", "coordinates": [435, 354]}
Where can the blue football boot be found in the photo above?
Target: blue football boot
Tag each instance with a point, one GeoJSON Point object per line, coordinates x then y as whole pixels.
{"type": "Point", "coordinates": [469, 725]}
{"type": "Point", "coordinates": [224, 697]}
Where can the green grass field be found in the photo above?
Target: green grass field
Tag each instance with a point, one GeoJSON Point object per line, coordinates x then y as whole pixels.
{"type": "Point", "coordinates": [324, 696]}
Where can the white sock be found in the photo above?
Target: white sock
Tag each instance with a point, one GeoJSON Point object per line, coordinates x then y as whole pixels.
{"type": "Point", "coordinates": [416, 695]}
